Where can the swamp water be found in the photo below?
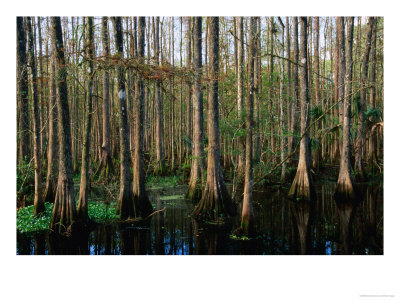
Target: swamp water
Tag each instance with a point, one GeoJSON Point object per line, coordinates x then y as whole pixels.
{"type": "Point", "coordinates": [283, 227]}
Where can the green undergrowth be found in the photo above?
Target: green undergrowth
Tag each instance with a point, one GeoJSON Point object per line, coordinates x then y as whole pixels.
{"type": "Point", "coordinates": [154, 182]}
{"type": "Point", "coordinates": [172, 197]}
{"type": "Point", "coordinates": [27, 223]}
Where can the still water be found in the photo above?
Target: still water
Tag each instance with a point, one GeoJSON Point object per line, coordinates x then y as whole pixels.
{"type": "Point", "coordinates": [284, 227]}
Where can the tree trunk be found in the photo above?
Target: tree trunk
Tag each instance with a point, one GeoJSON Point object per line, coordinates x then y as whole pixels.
{"type": "Point", "coordinates": [345, 188]}
{"type": "Point", "coordinates": [106, 165]}
{"type": "Point", "coordinates": [294, 111]}
{"type": "Point", "coordinates": [373, 138]}
{"type": "Point", "coordinates": [160, 168]}
{"type": "Point", "coordinates": [247, 222]}
{"type": "Point", "coordinates": [24, 151]}
{"type": "Point", "coordinates": [38, 200]}
{"type": "Point", "coordinates": [52, 153]}
{"type": "Point", "coordinates": [281, 107]}
{"type": "Point", "coordinates": [358, 165]}
{"type": "Point", "coordinates": [189, 88]}
{"type": "Point", "coordinates": [302, 186]}
{"type": "Point", "coordinates": [215, 202]}
{"type": "Point", "coordinates": [141, 204]}
{"type": "Point", "coordinates": [196, 175]}
{"type": "Point", "coordinates": [85, 184]}
{"type": "Point", "coordinates": [240, 99]}
{"type": "Point", "coordinates": [125, 204]}
{"type": "Point", "coordinates": [64, 211]}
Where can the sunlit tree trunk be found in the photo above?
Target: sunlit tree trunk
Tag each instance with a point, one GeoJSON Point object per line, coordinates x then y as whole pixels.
{"type": "Point", "coordinates": [302, 186]}
{"type": "Point", "coordinates": [294, 111]}
{"type": "Point", "coordinates": [196, 175]}
{"type": "Point", "coordinates": [160, 168]}
{"type": "Point", "coordinates": [247, 222]}
{"type": "Point", "coordinates": [345, 188]}
{"type": "Point", "coordinates": [240, 98]}
{"type": "Point", "coordinates": [141, 204]}
{"type": "Point", "coordinates": [358, 165]}
{"type": "Point", "coordinates": [38, 200]}
{"type": "Point", "coordinates": [317, 152]}
{"type": "Point", "coordinates": [64, 210]}
{"type": "Point", "coordinates": [125, 203]}
{"type": "Point", "coordinates": [85, 184]}
{"type": "Point", "coordinates": [189, 86]}
{"type": "Point", "coordinates": [282, 123]}
{"type": "Point", "coordinates": [106, 165]}
{"type": "Point", "coordinates": [52, 153]}
{"type": "Point", "coordinates": [215, 202]}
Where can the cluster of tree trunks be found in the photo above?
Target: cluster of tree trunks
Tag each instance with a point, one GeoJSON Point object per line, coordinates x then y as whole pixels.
{"type": "Point", "coordinates": [85, 106]}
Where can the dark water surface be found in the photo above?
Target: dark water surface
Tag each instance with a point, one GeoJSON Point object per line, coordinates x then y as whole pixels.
{"type": "Point", "coordinates": [285, 227]}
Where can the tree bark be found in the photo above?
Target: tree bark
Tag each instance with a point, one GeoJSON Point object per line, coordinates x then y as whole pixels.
{"type": "Point", "coordinates": [240, 99]}
{"type": "Point", "coordinates": [215, 203]}
{"type": "Point", "coordinates": [345, 189]}
{"type": "Point", "coordinates": [160, 168]}
{"type": "Point", "coordinates": [52, 153]}
{"type": "Point", "coordinates": [141, 204]}
{"type": "Point", "coordinates": [85, 184]}
{"type": "Point", "coordinates": [247, 222]}
{"type": "Point", "coordinates": [24, 151]}
{"type": "Point", "coordinates": [106, 165]}
{"type": "Point", "coordinates": [294, 112]}
{"type": "Point", "coordinates": [125, 203]}
{"type": "Point", "coordinates": [358, 165]}
{"type": "Point", "coordinates": [38, 200]}
{"type": "Point", "coordinates": [302, 187]}
{"type": "Point", "coordinates": [197, 171]}
{"type": "Point", "coordinates": [64, 210]}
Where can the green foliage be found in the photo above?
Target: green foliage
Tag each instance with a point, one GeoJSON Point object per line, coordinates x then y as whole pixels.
{"type": "Point", "coordinates": [375, 113]}
{"type": "Point", "coordinates": [316, 112]}
{"type": "Point", "coordinates": [168, 181]}
{"type": "Point", "coordinates": [101, 212]}
{"type": "Point", "coordinates": [26, 222]}
{"type": "Point", "coordinates": [25, 179]}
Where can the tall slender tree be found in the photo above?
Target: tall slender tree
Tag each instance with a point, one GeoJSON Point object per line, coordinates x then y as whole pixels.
{"type": "Point", "coordinates": [84, 186]}
{"type": "Point", "coordinates": [106, 164]}
{"type": "Point", "coordinates": [38, 200]}
{"type": "Point", "coordinates": [282, 123]}
{"type": "Point", "coordinates": [141, 204]}
{"type": "Point", "coordinates": [22, 93]}
{"type": "Point", "coordinates": [160, 168]}
{"type": "Point", "coordinates": [196, 175]}
{"type": "Point", "coordinates": [358, 164]}
{"type": "Point", "coordinates": [294, 111]}
{"type": "Point", "coordinates": [64, 211]}
{"type": "Point", "coordinates": [247, 222]}
{"type": "Point", "coordinates": [52, 152]}
{"type": "Point", "coordinates": [345, 188]}
{"type": "Point", "coordinates": [240, 98]}
{"type": "Point", "coordinates": [302, 187]}
{"type": "Point", "coordinates": [125, 203]}
{"type": "Point", "coordinates": [215, 201]}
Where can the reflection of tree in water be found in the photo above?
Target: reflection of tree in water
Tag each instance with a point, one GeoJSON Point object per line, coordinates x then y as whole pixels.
{"type": "Point", "coordinates": [74, 245]}
{"type": "Point", "coordinates": [211, 240]}
{"type": "Point", "coordinates": [303, 214]}
{"type": "Point", "coordinates": [134, 240]}
{"type": "Point", "coordinates": [346, 210]}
